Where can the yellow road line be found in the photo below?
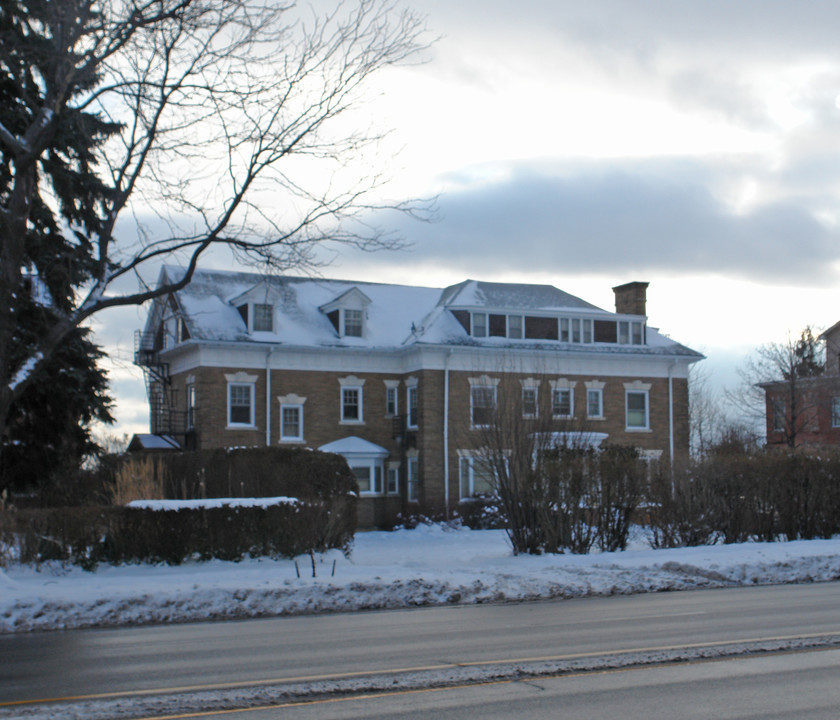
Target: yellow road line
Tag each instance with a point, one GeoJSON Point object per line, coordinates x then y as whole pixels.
{"type": "Point", "coordinates": [404, 670]}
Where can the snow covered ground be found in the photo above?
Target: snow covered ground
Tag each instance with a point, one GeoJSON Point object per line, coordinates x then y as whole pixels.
{"type": "Point", "coordinates": [426, 566]}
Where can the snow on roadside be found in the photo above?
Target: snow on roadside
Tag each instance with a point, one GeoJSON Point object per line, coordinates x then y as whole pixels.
{"type": "Point", "coordinates": [426, 566]}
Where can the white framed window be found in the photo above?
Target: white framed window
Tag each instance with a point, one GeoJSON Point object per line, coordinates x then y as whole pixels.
{"type": "Point", "coordinates": [240, 405]}
{"type": "Point", "coordinates": [515, 327]}
{"type": "Point", "coordinates": [563, 402]}
{"type": "Point", "coordinates": [191, 406]}
{"type": "Point", "coordinates": [594, 399]}
{"type": "Point", "coordinates": [352, 400]}
{"type": "Point", "coordinates": [476, 476]}
{"type": "Point", "coordinates": [529, 402]}
{"type": "Point", "coordinates": [411, 406]}
{"type": "Point", "coordinates": [263, 317]}
{"type": "Point", "coordinates": [368, 475]}
{"type": "Point", "coordinates": [483, 401]}
{"type": "Point", "coordinates": [637, 405]}
{"type": "Point", "coordinates": [392, 478]}
{"type": "Point", "coordinates": [351, 404]}
{"type": "Point", "coordinates": [479, 324]}
{"type": "Point", "coordinates": [835, 412]}
{"type": "Point", "coordinates": [291, 423]}
{"type": "Point", "coordinates": [413, 479]}
{"type": "Point", "coordinates": [595, 403]}
{"type": "Point", "coordinates": [392, 406]}
{"type": "Point", "coordinates": [530, 397]}
{"type": "Point", "coordinates": [353, 322]}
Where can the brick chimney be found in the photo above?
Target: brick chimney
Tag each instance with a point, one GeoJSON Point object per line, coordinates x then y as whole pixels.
{"type": "Point", "coordinates": [630, 298]}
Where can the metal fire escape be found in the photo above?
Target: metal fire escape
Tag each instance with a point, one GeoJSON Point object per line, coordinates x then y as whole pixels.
{"type": "Point", "coordinates": [164, 418]}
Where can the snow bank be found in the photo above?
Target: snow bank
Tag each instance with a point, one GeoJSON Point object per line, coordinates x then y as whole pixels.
{"type": "Point", "coordinates": [426, 566]}
{"type": "Point", "coordinates": [212, 503]}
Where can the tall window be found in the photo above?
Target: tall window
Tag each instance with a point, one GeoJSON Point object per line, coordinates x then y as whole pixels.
{"type": "Point", "coordinates": [835, 412]}
{"type": "Point", "coordinates": [483, 405]}
{"type": "Point", "coordinates": [479, 321]}
{"type": "Point", "coordinates": [637, 410]}
{"type": "Point", "coordinates": [595, 402]}
{"type": "Point", "coordinates": [263, 317]}
{"type": "Point", "coordinates": [291, 422]}
{"type": "Point", "coordinates": [353, 323]}
{"type": "Point", "coordinates": [411, 400]}
{"type": "Point", "coordinates": [563, 402]}
{"type": "Point", "coordinates": [351, 404]}
{"type": "Point", "coordinates": [240, 404]}
{"type": "Point", "coordinates": [391, 406]}
{"type": "Point", "coordinates": [476, 477]}
{"type": "Point", "coordinates": [392, 486]}
{"type": "Point", "coordinates": [190, 407]}
{"type": "Point", "coordinates": [413, 478]}
{"type": "Point", "coordinates": [529, 402]}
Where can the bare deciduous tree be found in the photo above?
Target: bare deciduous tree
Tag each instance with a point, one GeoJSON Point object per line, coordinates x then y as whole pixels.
{"type": "Point", "coordinates": [202, 123]}
{"type": "Point", "coordinates": [781, 383]}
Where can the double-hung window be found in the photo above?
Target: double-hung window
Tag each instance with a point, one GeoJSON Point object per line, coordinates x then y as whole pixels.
{"type": "Point", "coordinates": [594, 403]}
{"type": "Point", "coordinates": [353, 323]}
{"type": "Point", "coordinates": [392, 408]}
{"type": "Point", "coordinates": [352, 399]}
{"type": "Point", "coordinates": [483, 405]}
{"type": "Point", "coordinates": [835, 412]}
{"type": "Point", "coordinates": [191, 406]}
{"type": "Point", "coordinates": [240, 404]}
{"type": "Point", "coordinates": [291, 423]}
{"type": "Point", "coordinates": [351, 404]}
{"type": "Point", "coordinates": [411, 410]}
{"type": "Point", "coordinates": [263, 317]}
{"type": "Point", "coordinates": [476, 477]}
{"type": "Point", "coordinates": [413, 479]}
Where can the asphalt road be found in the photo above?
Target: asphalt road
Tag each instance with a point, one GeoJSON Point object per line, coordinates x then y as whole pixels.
{"type": "Point", "coordinates": [305, 649]}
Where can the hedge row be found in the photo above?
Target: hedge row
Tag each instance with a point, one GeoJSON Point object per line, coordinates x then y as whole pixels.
{"type": "Point", "coordinates": [88, 536]}
{"type": "Point", "coordinates": [255, 472]}
{"type": "Point", "coordinates": [765, 495]}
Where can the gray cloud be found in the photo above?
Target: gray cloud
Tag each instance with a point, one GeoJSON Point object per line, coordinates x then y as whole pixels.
{"type": "Point", "coordinates": [636, 216]}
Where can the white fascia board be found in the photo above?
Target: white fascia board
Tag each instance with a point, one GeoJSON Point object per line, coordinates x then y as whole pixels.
{"type": "Point", "coordinates": [191, 355]}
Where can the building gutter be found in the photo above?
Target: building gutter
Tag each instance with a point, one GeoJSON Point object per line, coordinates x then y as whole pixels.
{"type": "Point", "coordinates": [446, 432]}
{"type": "Point", "coordinates": [268, 396]}
{"type": "Point", "coordinates": [671, 412]}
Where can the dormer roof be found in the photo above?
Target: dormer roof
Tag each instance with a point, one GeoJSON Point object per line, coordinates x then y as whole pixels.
{"type": "Point", "coordinates": [350, 298]}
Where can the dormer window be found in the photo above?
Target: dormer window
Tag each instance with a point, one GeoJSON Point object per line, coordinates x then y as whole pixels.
{"type": "Point", "coordinates": [258, 317]}
{"type": "Point", "coordinates": [353, 323]}
{"type": "Point", "coordinates": [348, 313]}
{"type": "Point", "coordinates": [263, 317]}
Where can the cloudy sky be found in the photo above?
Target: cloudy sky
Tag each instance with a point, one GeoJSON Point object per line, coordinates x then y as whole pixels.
{"type": "Point", "coordinates": [694, 144]}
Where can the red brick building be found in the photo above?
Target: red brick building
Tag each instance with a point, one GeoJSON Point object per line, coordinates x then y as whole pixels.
{"type": "Point", "coordinates": [400, 379]}
{"type": "Point", "coordinates": [806, 411]}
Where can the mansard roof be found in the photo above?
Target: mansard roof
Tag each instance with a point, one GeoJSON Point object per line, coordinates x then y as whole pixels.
{"type": "Point", "coordinates": [396, 316]}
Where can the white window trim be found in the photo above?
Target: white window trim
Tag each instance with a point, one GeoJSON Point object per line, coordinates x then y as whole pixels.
{"type": "Point", "coordinates": [411, 386]}
{"type": "Point", "coordinates": [595, 386]}
{"type": "Point", "coordinates": [486, 382]}
{"type": "Point", "coordinates": [292, 401]}
{"type": "Point", "coordinates": [343, 321]}
{"type": "Point", "coordinates": [531, 384]}
{"type": "Point", "coordinates": [392, 385]}
{"type": "Point", "coordinates": [412, 465]}
{"type": "Point", "coordinates": [241, 379]}
{"type": "Point", "coordinates": [637, 387]}
{"type": "Point", "coordinates": [470, 456]}
{"type": "Point", "coordinates": [372, 462]}
{"type": "Point", "coordinates": [563, 384]}
{"type": "Point", "coordinates": [392, 467]}
{"type": "Point", "coordinates": [351, 382]}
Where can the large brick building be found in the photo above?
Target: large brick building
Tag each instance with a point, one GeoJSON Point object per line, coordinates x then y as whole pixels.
{"type": "Point", "coordinates": [401, 380]}
{"type": "Point", "coordinates": [805, 411]}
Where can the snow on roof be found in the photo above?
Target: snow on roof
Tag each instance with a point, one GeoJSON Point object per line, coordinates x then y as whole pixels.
{"type": "Point", "coordinates": [147, 441]}
{"type": "Point", "coordinates": [511, 296]}
{"type": "Point", "coordinates": [354, 446]}
{"type": "Point", "coordinates": [397, 315]}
